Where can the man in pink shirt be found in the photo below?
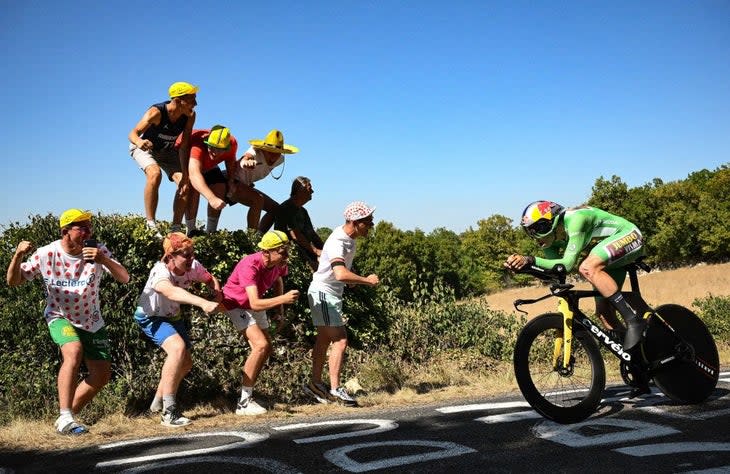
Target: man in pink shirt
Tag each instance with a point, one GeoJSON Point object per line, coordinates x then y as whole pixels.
{"type": "Point", "coordinates": [243, 300]}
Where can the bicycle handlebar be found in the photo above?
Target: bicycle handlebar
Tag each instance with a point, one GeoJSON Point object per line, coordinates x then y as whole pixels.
{"type": "Point", "coordinates": [556, 274]}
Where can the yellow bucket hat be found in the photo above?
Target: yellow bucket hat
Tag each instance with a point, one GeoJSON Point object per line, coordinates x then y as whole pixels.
{"type": "Point", "coordinates": [182, 88]}
{"type": "Point", "coordinates": [273, 239]}
{"type": "Point", "coordinates": [274, 142]}
{"type": "Point", "coordinates": [73, 215]}
{"type": "Point", "coordinates": [219, 137]}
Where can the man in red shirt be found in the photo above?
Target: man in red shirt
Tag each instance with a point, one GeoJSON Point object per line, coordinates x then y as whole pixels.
{"type": "Point", "coordinates": [208, 148]}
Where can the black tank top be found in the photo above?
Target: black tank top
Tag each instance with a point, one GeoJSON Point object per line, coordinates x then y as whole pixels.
{"type": "Point", "coordinates": [163, 136]}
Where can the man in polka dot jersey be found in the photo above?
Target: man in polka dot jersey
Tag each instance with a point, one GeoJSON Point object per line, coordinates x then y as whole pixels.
{"type": "Point", "coordinates": [71, 268]}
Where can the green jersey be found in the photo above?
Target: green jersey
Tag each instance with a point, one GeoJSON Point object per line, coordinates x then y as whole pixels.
{"type": "Point", "coordinates": [621, 242]}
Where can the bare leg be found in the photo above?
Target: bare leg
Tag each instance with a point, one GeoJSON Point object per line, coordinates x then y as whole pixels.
{"type": "Point", "coordinates": [260, 343]}
{"type": "Point", "coordinates": [177, 365]}
{"type": "Point", "coordinates": [72, 354]}
{"type": "Point", "coordinates": [151, 190]}
{"type": "Point", "coordinates": [270, 206]}
{"type": "Point", "coordinates": [255, 200]}
{"type": "Point", "coordinates": [337, 355]}
{"type": "Point", "coordinates": [100, 372]}
{"type": "Point", "coordinates": [180, 202]}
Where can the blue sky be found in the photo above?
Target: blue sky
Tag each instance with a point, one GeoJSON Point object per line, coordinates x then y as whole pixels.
{"type": "Point", "coordinates": [438, 113]}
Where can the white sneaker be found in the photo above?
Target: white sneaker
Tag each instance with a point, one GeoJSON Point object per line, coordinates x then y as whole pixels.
{"type": "Point", "coordinates": [341, 395]}
{"type": "Point", "coordinates": [153, 227]}
{"type": "Point", "coordinates": [249, 407]}
{"type": "Point", "coordinates": [173, 417]}
{"type": "Point", "coordinates": [66, 425]}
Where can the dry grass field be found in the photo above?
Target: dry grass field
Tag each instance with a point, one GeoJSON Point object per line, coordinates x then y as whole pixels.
{"type": "Point", "coordinates": [680, 286]}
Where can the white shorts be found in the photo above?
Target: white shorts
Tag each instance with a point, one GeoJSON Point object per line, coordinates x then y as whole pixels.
{"type": "Point", "coordinates": [167, 160]}
{"type": "Point", "coordinates": [243, 318]}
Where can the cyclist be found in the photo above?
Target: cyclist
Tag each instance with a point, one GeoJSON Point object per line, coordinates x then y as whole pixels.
{"type": "Point", "coordinates": [569, 232]}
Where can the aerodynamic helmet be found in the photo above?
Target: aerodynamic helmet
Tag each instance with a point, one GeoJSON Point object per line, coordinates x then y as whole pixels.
{"type": "Point", "coordinates": [540, 218]}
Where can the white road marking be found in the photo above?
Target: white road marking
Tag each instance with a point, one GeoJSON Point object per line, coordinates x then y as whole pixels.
{"type": "Point", "coordinates": [248, 440]}
{"type": "Point", "coordinates": [340, 458]}
{"type": "Point", "coordinates": [381, 426]}
{"type": "Point", "coordinates": [659, 449]}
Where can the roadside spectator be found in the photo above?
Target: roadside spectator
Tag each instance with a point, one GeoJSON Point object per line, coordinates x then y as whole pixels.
{"type": "Point", "coordinates": [243, 299]}
{"type": "Point", "coordinates": [153, 148]}
{"type": "Point", "coordinates": [292, 218]}
{"type": "Point", "coordinates": [255, 164]}
{"type": "Point", "coordinates": [72, 268]}
{"type": "Point", "coordinates": [208, 148]}
{"type": "Point", "coordinates": [325, 302]}
{"type": "Point", "coordinates": [158, 316]}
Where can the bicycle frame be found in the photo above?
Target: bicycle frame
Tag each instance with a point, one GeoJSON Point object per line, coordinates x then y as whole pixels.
{"type": "Point", "coordinates": [568, 306]}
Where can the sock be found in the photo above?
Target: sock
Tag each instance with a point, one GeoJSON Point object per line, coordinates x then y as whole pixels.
{"type": "Point", "coordinates": [168, 401]}
{"type": "Point", "coordinates": [246, 392]}
{"type": "Point", "coordinates": [634, 323]}
{"type": "Point", "coordinates": [66, 412]}
{"type": "Point", "coordinates": [622, 306]}
{"type": "Point", "coordinates": [190, 224]}
{"type": "Point", "coordinates": [156, 404]}
{"type": "Point", "coordinates": [212, 225]}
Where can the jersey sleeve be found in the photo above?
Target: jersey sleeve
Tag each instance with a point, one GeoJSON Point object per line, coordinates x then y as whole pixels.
{"type": "Point", "coordinates": [31, 268]}
{"type": "Point", "coordinates": [579, 228]}
{"type": "Point", "coordinates": [200, 273]}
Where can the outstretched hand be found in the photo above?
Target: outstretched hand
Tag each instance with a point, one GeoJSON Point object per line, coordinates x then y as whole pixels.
{"type": "Point", "coordinates": [291, 296]}
{"type": "Point", "coordinates": [515, 262]}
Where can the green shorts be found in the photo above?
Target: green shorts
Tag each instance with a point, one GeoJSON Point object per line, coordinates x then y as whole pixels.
{"type": "Point", "coordinates": [619, 250]}
{"type": "Point", "coordinates": [95, 344]}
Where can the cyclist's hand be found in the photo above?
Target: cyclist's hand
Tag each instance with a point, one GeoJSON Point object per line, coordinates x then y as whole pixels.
{"type": "Point", "coordinates": [516, 262]}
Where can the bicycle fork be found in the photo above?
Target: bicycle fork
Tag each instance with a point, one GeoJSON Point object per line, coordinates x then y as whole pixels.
{"type": "Point", "coordinates": [563, 344]}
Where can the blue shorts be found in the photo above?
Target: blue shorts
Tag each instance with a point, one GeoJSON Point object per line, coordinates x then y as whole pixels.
{"type": "Point", "coordinates": [159, 329]}
{"type": "Point", "coordinates": [326, 308]}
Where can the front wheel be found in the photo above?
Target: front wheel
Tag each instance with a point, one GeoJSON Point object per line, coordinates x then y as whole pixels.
{"type": "Point", "coordinates": [675, 333]}
{"type": "Point", "coordinates": [562, 394]}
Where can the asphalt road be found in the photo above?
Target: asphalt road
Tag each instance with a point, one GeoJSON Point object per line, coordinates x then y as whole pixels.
{"type": "Point", "coordinates": [648, 434]}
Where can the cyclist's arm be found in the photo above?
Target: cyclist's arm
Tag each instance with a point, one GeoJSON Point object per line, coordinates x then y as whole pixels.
{"type": "Point", "coordinates": [579, 227]}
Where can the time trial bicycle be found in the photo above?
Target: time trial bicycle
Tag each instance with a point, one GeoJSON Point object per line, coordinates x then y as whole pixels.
{"type": "Point", "coordinates": [558, 362]}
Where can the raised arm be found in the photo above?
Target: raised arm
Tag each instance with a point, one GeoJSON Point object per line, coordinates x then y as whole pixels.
{"type": "Point", "coordinates": [14, 275]}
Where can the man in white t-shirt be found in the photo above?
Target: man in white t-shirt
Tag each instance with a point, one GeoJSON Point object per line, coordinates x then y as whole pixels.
{"type": "Point", "coordinates": [325, 301]}
{"type": "Point", "coordinates": [71, 269]}
{"type": "Point", "coordinates": [256, 164]}
{"type": "Point", "coordinates": [158, 316]}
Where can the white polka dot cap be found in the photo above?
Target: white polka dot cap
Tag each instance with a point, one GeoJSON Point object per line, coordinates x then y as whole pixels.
{"type": "Point", "coordinates": [357, 210]}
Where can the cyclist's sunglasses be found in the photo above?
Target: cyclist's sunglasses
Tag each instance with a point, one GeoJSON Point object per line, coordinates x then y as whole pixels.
{"type": "Point", "coordinates": [539, 228]}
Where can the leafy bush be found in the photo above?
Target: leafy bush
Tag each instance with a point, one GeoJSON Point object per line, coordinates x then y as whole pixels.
{"type": "Point", "coordinates": [715, 312]}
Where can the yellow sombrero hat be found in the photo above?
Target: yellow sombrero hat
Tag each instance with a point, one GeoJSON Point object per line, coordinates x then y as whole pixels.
{"type": "Point", "coordinates": [274, 142]}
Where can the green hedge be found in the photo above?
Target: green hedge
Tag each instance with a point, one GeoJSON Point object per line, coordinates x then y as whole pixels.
{"type": "Point", "coordinates": [386, 333]}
